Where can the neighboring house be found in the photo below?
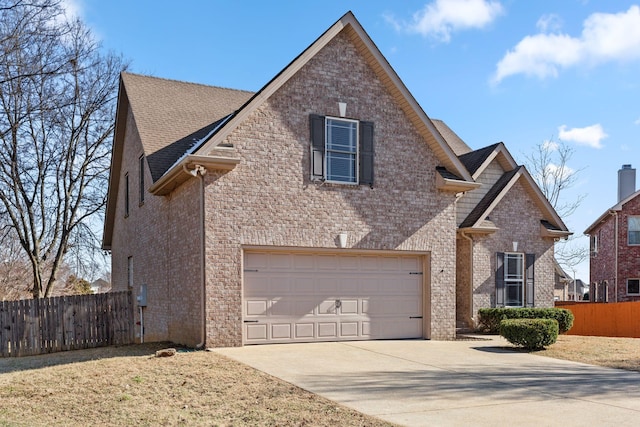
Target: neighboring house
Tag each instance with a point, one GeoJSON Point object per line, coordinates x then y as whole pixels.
{"type": "Point", "coordinates": [326, 206]}
{"type": "Point", "coordinates": [562, 283]}
{"type": "Point", "coordinates": [566, 287]}
{"type": "Point", "coordinates": [614, 263]}
{"type": "Point", "coordinates": [100, 286]}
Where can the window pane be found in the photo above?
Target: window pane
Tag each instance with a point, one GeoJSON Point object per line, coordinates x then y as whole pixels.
{"type": "Point", "coordinates": [634, 237]}
{"type": "Point", "coordinates": [513, 294]}
{"type": "Point", "coordinates": [514, 266]}
{"type": "Point", "coordinates": [341, 136]}
{"type": "Point", "coordinates": [633, 286]}
{"type": "Point", "coordinates": [634, 223]}
{"type": "Point", "coordinates": [341, 167]}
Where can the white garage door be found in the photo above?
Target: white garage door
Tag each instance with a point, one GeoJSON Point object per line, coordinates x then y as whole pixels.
{"type": "Point", "coordinates": [306, 297]}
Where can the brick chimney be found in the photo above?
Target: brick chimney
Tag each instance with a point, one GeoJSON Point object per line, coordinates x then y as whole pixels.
{"type": "Point", "coordinates": [626, 182]}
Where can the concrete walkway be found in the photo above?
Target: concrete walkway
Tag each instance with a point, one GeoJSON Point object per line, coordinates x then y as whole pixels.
{"type": "Point", "coordinates": [461, 383]}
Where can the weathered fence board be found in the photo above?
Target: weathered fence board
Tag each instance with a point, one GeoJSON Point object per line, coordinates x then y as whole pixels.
{"type": "Point", "coordinates": [616, 319]}
{"type": "Point", "coordinates": [48, 325]}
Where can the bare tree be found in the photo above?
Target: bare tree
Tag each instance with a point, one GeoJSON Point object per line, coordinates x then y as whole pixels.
{"type": "Point", "coordinates": [549, 166]}
{"type": "Point", "coordinates": [57, 103]}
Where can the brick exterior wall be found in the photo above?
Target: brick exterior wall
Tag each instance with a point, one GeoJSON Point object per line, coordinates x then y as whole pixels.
{"type": "Point", "coordinates": [269, 200]}
{"type": "Point", "coordinates": [162, 235]}
{"type": "Point", "coordinates": [518, 219]}
{"type": "Point", "coordinates": [602, 265]}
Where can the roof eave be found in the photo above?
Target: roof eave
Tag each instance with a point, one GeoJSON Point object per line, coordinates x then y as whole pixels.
{"type": "Point", "coordinates": [179, 174]}
{"type": "Point", "coordinates": [478, 230]}
{"type": "Point", "coordinates": [555, 234]}
{"type": "Point", "coordinates": [122, 107]}
{"type": "Point", "coordinates": [601, 219]}
{"type": "Point", "coordinates": [455, 185]}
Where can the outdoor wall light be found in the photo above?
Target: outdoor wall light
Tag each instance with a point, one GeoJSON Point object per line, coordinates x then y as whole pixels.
{"type": "Point", "coordinates": [342, 106]}
{"type": "Point", "coordinates": [515, 246]}
{"type": "Point", "coordinates": [342, 240]}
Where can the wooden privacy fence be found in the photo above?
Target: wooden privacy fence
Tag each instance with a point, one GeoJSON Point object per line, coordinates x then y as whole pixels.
{"type": "Point", "coordinates": [48, 325]}
{"type": "Point", "coordinates": [616, 319]}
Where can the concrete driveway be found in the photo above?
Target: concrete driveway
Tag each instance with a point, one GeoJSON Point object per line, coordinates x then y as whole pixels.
{"type": "Point", "coordinates": [436, 383]}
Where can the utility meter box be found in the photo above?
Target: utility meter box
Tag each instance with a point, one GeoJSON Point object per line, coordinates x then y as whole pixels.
{"type": "Point", "coordinates": [142, 296]}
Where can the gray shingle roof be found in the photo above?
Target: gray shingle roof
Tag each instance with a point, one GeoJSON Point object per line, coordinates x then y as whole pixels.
{"type": "Point", "coordinates": [486, 201]}
{"type": "Point", "coordinates": [456, 143]}
{"type": "Point", "coordinates": [170, 115]}
{"type": "Point", "coordinates": [474, 159]}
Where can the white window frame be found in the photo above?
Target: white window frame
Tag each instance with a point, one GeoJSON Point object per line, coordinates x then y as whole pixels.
{"type": "Point", "coordinates": [594, 244]}
{"type": "Point", "coordinates": [629, 231]}
{"type": "Point", "coordinates": [633, 293]}
{"type": "Point", "coordinates": [518, 280]}
{"type": "Point", "coordinates": [356, 153]}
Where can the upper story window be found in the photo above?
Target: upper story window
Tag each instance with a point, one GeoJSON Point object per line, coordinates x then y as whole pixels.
{"type": "Point", "coordinates": [633, 286]}
{"type": "Point", "coordinates": [126, 194]}
{"type": "Point", "coordinates": [141, 178]}
{"type": "Point", "coordinates": [341, 150]}
{"type": "Point", "coordinates": [593, 244]}
{"type": "Point", "coordinates": [633, 233]}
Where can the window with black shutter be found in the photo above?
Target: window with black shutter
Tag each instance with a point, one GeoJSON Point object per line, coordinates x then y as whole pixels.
{"type": "Point", "coordinates": [342, 150]}
{"type": "Point", "coordinates": [515, 279]}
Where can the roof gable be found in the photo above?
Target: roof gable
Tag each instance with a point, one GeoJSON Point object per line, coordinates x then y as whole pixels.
{"type": "Point", "coordinates": [552, 224]}
{"type": "Point", "coordinates": [477, 161]}
{"type": "Point", "coordinates": [170, 115]}
{"type": "Point", "coordinates": [615, 208]}
{"type": "Point", "coordinates": [349, 24]}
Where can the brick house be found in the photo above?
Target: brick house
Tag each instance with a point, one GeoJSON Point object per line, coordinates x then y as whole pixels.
{"type": "Point", "coordinates": [326, 206]}
{"type": "Point", "coordinates": [614, 262]}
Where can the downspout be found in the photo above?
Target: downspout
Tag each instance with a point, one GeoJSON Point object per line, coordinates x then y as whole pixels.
{"type": "Point", "coordinates": [200, 172]}
{"type": "Point", "coordinates": [470, 239]}
{"type": "Point", "coordinates": [616, 261]}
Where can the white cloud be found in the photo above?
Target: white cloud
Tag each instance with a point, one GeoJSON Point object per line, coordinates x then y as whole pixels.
{"type": "Point", "coordinates": [590, 135]}
{"type": "Point", "coordinates": [549, 23]}
{"type": "Point", "coordinates": [442, 17]}
{"type": "Point", "coordinates": [605, 37]}
{"type": "Point", "coordinates": [72, 8]}
{"type": "Point", "coordinates": [555, 171]}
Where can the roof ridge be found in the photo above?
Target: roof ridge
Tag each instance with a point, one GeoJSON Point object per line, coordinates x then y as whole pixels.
{"type": "Point", "coordinates": [147, 76]}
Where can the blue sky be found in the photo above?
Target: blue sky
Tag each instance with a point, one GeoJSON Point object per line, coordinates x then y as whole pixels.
{"type": "Point", "coordinates": [521, 72]}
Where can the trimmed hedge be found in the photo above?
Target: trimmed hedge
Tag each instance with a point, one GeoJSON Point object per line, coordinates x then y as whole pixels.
{"type": "Point", "coordinates": [532, 334]}
{"type": "Point", "coordinates": [489, 318]}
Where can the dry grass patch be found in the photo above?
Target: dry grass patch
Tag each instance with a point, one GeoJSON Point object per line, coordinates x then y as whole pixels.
{"type": "Point", "coordinates": [622, 353]}
{"type": "Point", "coordinates": [128, 386]}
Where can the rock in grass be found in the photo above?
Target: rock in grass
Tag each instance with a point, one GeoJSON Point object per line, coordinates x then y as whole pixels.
{"type": "Point", "coordinates": [167, 352]}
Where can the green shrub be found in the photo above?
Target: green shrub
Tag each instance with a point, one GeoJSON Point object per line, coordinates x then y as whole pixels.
{"type": "Point", "coordinates": [531, 334]}
{"type": "Point", "coordinates": [489, 318]}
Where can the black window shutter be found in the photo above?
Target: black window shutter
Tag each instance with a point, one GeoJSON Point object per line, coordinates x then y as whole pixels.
{"type": "Point", "coordinates": [366, 153]}
{"type": "Point", "coordinates": [500, 279]}
{"type": "Point", "coordinates": [316, 124]}
{"type": "Point", "coordinates": [529, 291]}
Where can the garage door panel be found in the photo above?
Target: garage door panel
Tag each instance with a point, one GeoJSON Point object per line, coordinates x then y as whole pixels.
{"type": "Point", "coordinates": [328, 297]}
{"type": "Point", "coordinates": [256, 307]}
{"type": "Point", "coordinates": [328, 330]}
{"type": "Point", "coordinates": [256, 332]}
{"type": "Point", "coordinates": [304, 262]}
{"type": "Point", "coordinates": [349, 306]}
{"type": "Point", "coordinates": [327, 307]}
{"type": "Point", "coordinates": [280, 331]}
{"type": "Point", "coordinates": [305, 330]}
{"type": "Point", "coordinates": [349, 329]}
